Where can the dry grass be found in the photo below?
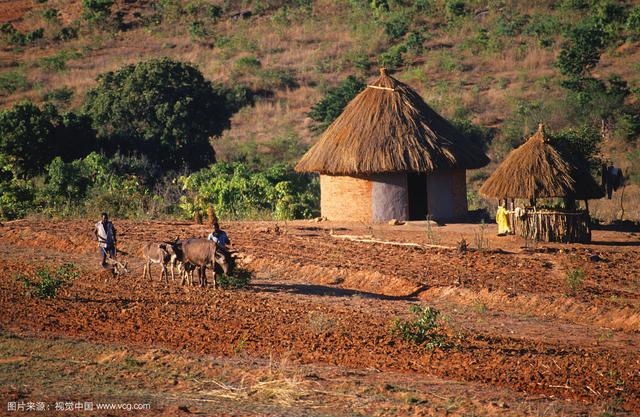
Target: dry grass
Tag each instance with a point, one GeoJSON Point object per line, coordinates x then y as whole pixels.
{"type": "Point", "coordinates": [277, 383]}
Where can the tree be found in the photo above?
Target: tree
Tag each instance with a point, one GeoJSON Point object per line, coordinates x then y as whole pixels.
{"type": "Point", "coordinates": [329, 108]}
{"type": "Point", "coordinates": [161, 108]}
{"type": "Point", "coordinates": [581, 52]}
{"type": "Point", "coordinates": [26, 138]}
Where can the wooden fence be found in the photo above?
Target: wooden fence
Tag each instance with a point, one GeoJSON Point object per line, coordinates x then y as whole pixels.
{"type": "Point", "coordinates": [551, 226]}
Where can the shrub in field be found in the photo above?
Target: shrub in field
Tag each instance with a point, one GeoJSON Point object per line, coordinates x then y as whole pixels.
{"type": "Point", "coordinates": [574, 280]}
{"type": "Point", "coordinates": [50, 15]}
{"type": "Point", "coordinates": [96, 11]}
{"type": "Point", "coordinates": [14, 37]}
{"type": "Point", "coordinates": [46, 283]}
{"type": "Point", "coordinates": [13, 81]}
{"type": "Point", "coordinates": [239, 278]}
{"type": "Point", "coordinates": [425, 329]}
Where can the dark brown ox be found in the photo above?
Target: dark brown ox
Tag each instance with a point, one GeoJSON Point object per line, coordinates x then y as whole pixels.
{"type": "Point", "coordinates": [201, 253]}
{"type": "Point", "coordinates": [155, 253]}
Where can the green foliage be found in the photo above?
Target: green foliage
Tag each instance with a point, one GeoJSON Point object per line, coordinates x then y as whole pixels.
{"type": "Point", "coordinates": [511, 25]}
{"type": "Point", "coordinates": [12, 36]}
{"type": "Point", "coordinates": [66, 33]}
{"type": "Point", "coordinates": [50, 15]}
{"type": "Point", "coordinates": [277, 79]}
{"type": "Point", "coordinates": [581, 51]}
{"type": "Point", "coordinates": [633, 21]}
{"type": "Point", "coordinates": [455, 8]}
{"type": "Point", "coordinates": [414, 43]}
{"type": "Point", "coordinates": [13, 81]}
{"type": "Point", "coordinates": [162, 108]}
{"type": "Point", "coordinates": [425, 329]}
{"type": "Point", "coordinates": [396, 26]}
{"type": "Point", "coordinates": [96, 12]}
{"type": "Point", "coordinates": [47, 283]}
{"type": "Point", "coordinates": [392, 58]}
{"type": "Point", "coordinates": [54, 63]}
{"type": "Point", "coordinates": [335, 99]}
{"type": "Point", "coordinates": [574, 280]}
{"type": "Point", "coordinates": [582, 146]}
{"type": "Point", "coordinates": [237, 192]}
{"type": "Point", "coordinates": [198, 30]}
{"type": "Point", "coordinates": [240, 278]}
{"type": "Point", "coordinates": [15, 197]}
{"type": "Point", "coordinates": [60, 95]}
{"type": "Point", "coordinates": [26, 138]}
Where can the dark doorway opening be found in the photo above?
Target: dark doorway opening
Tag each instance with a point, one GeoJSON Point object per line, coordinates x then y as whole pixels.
{"type": "Point", "coordinates": [417, 190]}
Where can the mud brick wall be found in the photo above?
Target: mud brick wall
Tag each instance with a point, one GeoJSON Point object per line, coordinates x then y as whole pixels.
{"type": "Point", "coordinates": [447, 194]}
{"type": "Point", "coordinates": [345, 198]}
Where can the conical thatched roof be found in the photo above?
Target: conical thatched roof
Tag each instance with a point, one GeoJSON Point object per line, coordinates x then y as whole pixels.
{"type": "Point", "coordinates": [389, 128]}
{"type": "Point", "coordinates": [537, 170]}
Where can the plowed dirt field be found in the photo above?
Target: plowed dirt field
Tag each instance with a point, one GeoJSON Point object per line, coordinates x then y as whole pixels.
{"type": "Point", "coordinates": [522, 341]}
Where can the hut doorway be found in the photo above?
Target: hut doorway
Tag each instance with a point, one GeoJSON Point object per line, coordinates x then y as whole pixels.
{"type": "Point", "coordinates": [417, 190]}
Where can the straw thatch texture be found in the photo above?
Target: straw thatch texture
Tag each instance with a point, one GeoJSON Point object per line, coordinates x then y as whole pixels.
{"type": "Point", "coordinates": [537, 170]}
{"type": "Point", "coordinates": [389, 128]}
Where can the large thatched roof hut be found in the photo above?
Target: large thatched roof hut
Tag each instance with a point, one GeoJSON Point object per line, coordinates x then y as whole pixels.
{"type": "Point", "coordinates": [389, 155]}
{"type": "Point", "coordinates": [537, 170]}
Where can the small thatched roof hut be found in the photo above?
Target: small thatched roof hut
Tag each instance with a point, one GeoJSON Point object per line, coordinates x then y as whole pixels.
{"type": "Point", "coordinates": [389, 155]}
{"type": "Point", "coordinates": [537, 170]}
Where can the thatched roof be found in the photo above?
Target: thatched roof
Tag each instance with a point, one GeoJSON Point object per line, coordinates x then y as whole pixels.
{"type": "Point", "coordinates": [537, 170]}
{"type": "Point", "coordinates": [389, 128]}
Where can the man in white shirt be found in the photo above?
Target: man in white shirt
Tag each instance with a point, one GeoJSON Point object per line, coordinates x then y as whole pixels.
{"type": "Point", "coordinates": [106, 235]}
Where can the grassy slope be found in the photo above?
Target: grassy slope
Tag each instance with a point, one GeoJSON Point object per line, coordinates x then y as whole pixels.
{"type": "Point", "coordinates": [319, 49]}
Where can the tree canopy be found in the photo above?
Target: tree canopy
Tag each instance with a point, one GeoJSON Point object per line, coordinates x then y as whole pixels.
{"type": "Point", "coordinates": [162, 108]}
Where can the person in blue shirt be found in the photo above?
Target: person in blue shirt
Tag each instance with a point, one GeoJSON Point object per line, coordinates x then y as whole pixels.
{"type": "Point", "coordinates": [219, 236]}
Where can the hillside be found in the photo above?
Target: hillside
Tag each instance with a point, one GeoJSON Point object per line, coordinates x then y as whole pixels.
{"type": "Point", "coordinates": [491, 63]}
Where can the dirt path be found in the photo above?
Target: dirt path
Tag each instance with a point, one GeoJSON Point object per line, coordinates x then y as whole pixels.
{"type": "Point", "coordinates": [318, 299]}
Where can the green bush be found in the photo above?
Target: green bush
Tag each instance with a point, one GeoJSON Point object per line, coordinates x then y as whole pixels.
{"type": "Point", "coordinates": [633, 21]}
{"type": "Point", "coordinates": [66, 33]}
{"type": "Point", "coordinates": [575, 280]}
{"type": "Point", "coordinates": [237, 192]}
{"type": "Point", "coordinates": [240, 278]}
{"type": "Point", "coordinates": [47, 283]}
{"type": "Point", "coordinates": [13, 37]}
{"type": "Point", "coordinates": [54, 63]}
{"type": "Point", "coordinates": [396, 26]}
{"type": "Point", "coordinates": [581, 51]}
{"type": "Point", "coordinates": [96, 12]}
{"type": "Point", "coordinates": [425, 329]}
{"type": "Point", "coordinates": [50, 15]}
{"type": "Point", "coordinates": [61, 95]}
{"type": "Point", "coordinates": [392, 58]}
{"type": "Point", "coordinates": [198, 30]}
{"type": "Point", "coordinates": [13, 81]}
{"type": "Point", "coordinates": [277, 79]}
{"type": "Point", "coordinates": [335, 99]}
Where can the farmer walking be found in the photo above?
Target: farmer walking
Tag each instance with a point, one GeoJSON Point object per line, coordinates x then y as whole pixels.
{"type": "Point", "coordinates": [106, 235]}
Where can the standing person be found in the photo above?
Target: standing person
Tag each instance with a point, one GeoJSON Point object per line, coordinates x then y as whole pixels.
{"type": "Point", "coordinates": [106, 235]}
{"type": "Point", "coordinates": [219, 236]}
